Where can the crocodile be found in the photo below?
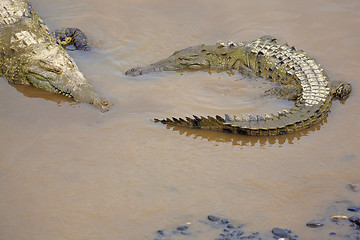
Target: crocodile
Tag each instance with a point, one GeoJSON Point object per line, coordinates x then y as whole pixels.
{"type": "Point", "coordinates": [299, 77]}
{"type": "Point", "coordinates": [30, 54]}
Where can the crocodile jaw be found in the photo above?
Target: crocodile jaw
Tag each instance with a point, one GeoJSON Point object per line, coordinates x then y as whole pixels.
{"type": "Point", "coordinates": [52, 69]}
{"type": "Point", "coordinates": [30, 55]}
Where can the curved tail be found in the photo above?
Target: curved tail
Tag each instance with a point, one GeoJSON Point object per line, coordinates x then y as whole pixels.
{"type": "Point", "coordinates": [297, 118]}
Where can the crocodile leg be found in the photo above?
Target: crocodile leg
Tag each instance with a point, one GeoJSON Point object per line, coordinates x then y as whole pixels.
{"type": "Point", "coordinates": [247, 72]}
{"type": "Point", "coordinates": [289, 92]}
{"type": "Point", "coordinates": [72, 36]}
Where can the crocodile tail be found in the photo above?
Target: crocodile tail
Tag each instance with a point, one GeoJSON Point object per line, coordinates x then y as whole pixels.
{"type": "Point", "coordinates": [297, 118]}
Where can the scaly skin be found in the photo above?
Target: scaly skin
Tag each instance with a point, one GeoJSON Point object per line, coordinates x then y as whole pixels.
{"type": "Point", "coordinates": [29, 54]}
{"type": "Point", "coordinates": [299, 76]}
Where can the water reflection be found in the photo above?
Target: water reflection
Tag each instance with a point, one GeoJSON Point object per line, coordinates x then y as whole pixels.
{"type": "Point", "coordinates": [211, 136]}
{"type": "Point", "coordinates": [33, 92]}
{"type": "Point", "coordinates": [241, 140]}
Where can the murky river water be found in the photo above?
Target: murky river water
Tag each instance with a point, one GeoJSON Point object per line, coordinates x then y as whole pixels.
{"type": "Point", "coordinates": [68, 171]}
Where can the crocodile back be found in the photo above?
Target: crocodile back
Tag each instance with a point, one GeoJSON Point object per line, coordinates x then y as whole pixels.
{"type": "Point", "coordinates": [286, 65]}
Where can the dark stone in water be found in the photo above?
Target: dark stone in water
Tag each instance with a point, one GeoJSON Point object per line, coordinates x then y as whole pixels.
{"type": "Point", "coordinates": [230, 226]}
{"type": "Point", "coordinates": [182, 228]}
{"type": "Point", "coordinates": [161, 232]}
{"type": "Point", "coordinates": [353, 208]}
{"type": "Point", "coordinates": [314, 224]}
{"type": "Point", "coordinates": [282, 233]}
{"type": "Point", "coordinates": [213, 218]}
{"type": "Point", "coordinates": [227, 230]}
{"type": "Point", "coordinates": [224, 221]}
{"type": "Point", "coordinates": [356, 220]}
{"type": "Point", "coordinates": [237, 233]}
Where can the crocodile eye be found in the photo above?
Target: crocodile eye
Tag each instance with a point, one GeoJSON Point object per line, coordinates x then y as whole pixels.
{"type": "Point", "coordinates": [47, 65]}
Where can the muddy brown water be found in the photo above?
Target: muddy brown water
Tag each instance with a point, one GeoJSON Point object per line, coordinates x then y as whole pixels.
{"type": "Point", "coordinates": [68, 171]}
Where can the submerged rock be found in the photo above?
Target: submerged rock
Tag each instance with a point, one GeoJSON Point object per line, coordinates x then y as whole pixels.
{"type": "Point", "coordinates": [213, 218]}
{"type": "Point", "coordinates": [356, 220]}
{"type": "Point", "coordinates": [182, 228]}
{"type": "Point", "coordinates": [282, 233]}
{"type": "Point", "coordinates": [225, 229]}
{"type": "Point", "coordinates": [314, 224]}
{"type": "Point", "coordinates": [353, 208]}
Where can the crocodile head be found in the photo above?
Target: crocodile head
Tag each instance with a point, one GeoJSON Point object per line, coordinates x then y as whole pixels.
{"type": "Point", "coordinates": [340, 90]}
{"type": "Point", "coordinates": [52, 69]}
